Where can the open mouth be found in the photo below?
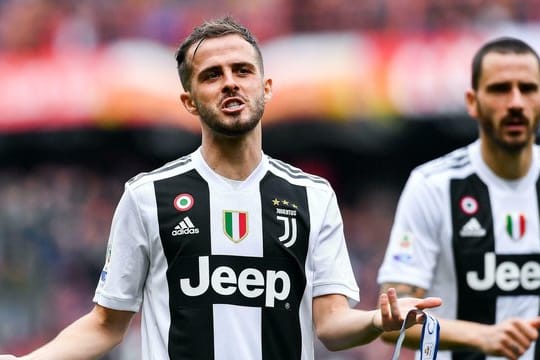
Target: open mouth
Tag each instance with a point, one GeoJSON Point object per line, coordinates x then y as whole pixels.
{"type": "Point", "coordinates": [232, 105]}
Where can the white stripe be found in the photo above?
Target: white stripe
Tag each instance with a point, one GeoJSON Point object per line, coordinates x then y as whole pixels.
{"type": "Point", "coordinates": [224, 333]}
{"type": "Point", "coordinates": [188, 222]}
{"type": "Point", "coordinates": [235, 225]}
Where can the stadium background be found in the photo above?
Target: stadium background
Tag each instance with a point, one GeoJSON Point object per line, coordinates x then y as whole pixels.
{"type": "Point", "coordinates": [363, 92]}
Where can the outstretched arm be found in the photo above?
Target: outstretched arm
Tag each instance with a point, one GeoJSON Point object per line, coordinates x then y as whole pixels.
{"type": "Point", "coordinates": [340, 327]}
{"type": "Point", "coordinates": [510, 338]}
{"type": "Point", "coordinates": [89, 337]}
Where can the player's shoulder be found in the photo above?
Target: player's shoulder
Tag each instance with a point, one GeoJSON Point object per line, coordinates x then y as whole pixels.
{"type": "Point", "coordinates": [295, 175]}
{"type": "Point", "coordinates": [448, 165]}
{"type": "Point", "coordinates": [172, 168]}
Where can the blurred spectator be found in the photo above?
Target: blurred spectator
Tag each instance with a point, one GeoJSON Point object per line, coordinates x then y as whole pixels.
{"type": "Point", "coordinates": [54, 222]}
{"type": "Point", "coordinates": [30, 25]}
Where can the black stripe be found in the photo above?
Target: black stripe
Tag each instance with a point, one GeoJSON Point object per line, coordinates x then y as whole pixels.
{"type": "Point", "coordinates": [191, 329]}
{"type": "Point", "coordinates": [469, 251]}
{"type": "Point", "coordinates": [281, 335]}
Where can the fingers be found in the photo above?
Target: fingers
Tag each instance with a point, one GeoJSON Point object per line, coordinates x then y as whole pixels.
{"type": "Point", "coordinates": [389, 310]}
{"type": "Point", "coordinates": [512, 351]}
{"type": "Point", "coordinates": [535, 323]}
{"type": "Point", "coordinates": [384, 306]}
{"type": "Point", "coordinates": [517, 336]}
{"type": "Point", "coordinates": [394, 304]}
{"type": "Point", "coordinates": [429, 302]}
{"type": "Point", "coordinates": [521, 336]}
{"type": "Point", "coordinates": [395, 311]}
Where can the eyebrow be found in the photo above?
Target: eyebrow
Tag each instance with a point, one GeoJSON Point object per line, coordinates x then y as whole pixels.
{"type": "Point", "coordinates": [507, 84]}
{"type": "Point", "coordinates": [235, 65]}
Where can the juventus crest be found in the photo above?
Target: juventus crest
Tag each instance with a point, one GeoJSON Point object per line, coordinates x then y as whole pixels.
{"type": "Point", "coordinates": [287, 216]}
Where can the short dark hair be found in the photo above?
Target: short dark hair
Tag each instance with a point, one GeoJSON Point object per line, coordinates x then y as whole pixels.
{"type": "Point", "coordinates": [502, 45]}
{"type": "Point", "coordinates": [207, 30]}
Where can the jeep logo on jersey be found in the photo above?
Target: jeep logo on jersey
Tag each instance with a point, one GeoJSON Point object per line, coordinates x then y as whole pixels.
{"type": "Point", "coordinates": [501, 274]}
{"type": "Point", "coordinates": [249, 282]}
{"type": "Point", "coordinates": [235, 224]}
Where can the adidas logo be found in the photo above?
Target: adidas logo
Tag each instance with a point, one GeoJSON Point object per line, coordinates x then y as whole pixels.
{"type": "Point", "coordinates": [185, 227]}
{"type": "Point", "coordinates": [472, 228]}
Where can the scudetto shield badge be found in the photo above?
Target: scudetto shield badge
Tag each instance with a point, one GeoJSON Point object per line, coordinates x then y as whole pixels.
{"type": "Point", "coordinates": [516, 225]}
{"type": "Point", "coordinates": [235, 224]}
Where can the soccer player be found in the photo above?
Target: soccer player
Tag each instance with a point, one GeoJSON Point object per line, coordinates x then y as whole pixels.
{"type": "Point", "coordinates": [230, 253]}
{"type": "Point", "coordinates": [467, 224]}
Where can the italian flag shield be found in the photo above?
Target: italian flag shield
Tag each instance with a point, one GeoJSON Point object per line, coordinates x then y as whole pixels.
{"type": "Point", "coordinates": [515, 225]}
{"type": "Point", "coordinates": [235, 224]}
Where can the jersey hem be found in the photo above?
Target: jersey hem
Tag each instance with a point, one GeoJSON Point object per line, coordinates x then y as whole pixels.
{"type": "Point", "coordinates": [117, 304]}
{"type": "Point", "coordinates": [352, 294]}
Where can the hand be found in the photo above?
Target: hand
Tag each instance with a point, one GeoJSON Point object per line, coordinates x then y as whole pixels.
{"type": "Point", "coordinates": [510, 338]}
{"type": "Point", "coordinates": [392, 310]}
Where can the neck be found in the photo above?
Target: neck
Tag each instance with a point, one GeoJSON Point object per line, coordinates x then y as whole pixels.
{"type": "Point", "coordinates": [233, 158]}
{"type": "Point", "coordinates": [507, 164]}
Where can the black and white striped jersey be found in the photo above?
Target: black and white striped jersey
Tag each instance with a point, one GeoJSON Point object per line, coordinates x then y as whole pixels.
{"type": "Point", "coordinates": [225, 270]}
{"type": "Point", "coordinates": [470, 237]}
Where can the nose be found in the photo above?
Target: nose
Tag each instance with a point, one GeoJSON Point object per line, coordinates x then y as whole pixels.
{"type": "Point", "coordinates": [516, 100]}
{"type": "Point", "coordinates": [229, 82]}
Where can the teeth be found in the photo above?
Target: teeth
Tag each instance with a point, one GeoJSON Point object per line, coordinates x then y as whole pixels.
{"type": "Point", "coordinates": [232, 104]}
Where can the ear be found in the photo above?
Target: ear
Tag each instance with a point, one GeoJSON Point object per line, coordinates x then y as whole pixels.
{"type": "Point", "coordinates": [472, 103]}
{"type": "Point", "coordinates": [188, 103]}
{"type": "Point", "coordinates": [267, 90]}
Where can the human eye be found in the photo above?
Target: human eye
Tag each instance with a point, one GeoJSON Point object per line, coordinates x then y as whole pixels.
{"type": "Point", "coordinates": [499, 88]}
{"type": "Point", "coordinates": [210, 74]}
{"type": "Point", "coordinates": [528, 88]}
{"type": "Point", "coordinates": [244, 70]}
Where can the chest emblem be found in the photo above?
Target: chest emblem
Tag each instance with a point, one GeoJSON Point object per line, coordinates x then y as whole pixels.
{"type": "Point", "coordinates": [516, 225]}
{"type": "Point", "coordinates": [468, 205]}
{"type": "Point", "coordinates": [183, 202]}
{"type": "Point", "coordinates": [286, 213]}
{"type": "Point", "coordinates": [235, 224]}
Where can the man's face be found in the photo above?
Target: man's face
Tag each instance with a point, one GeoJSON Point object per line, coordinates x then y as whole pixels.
{"type": "Point", "coordinates": [507, 102]}
{"type": "Point", "coordinates": [228, 91]}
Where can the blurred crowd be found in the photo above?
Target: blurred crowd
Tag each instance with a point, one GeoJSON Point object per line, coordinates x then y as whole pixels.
{"type": "Point", "coordinates": [54, 224]}
{"type": "Point", "coordinates": [37, 25]}
{"type": "Point", "coordinates": [55, 217]}
{"type": "Point", "coordinates": [53, 229]}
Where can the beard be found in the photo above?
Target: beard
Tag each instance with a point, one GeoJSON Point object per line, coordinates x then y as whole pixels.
{"type": "Point", "coordinates": [508, 142]}
{"type": "Point", "coordinates": [235, 127]}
